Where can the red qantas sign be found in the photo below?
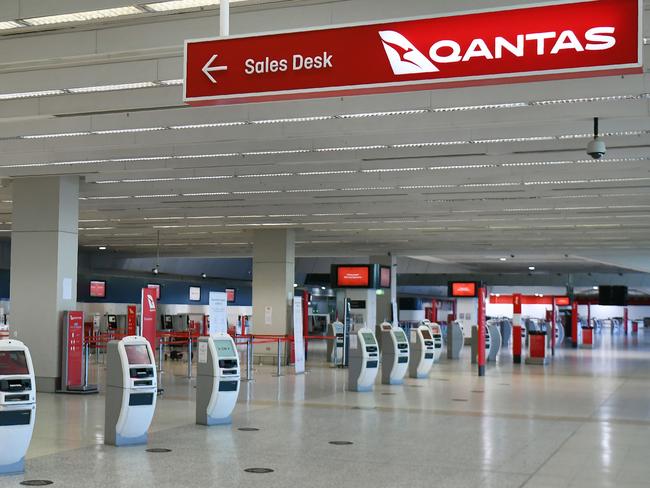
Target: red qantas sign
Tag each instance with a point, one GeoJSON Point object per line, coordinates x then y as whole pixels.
{"type": "Point", "coordinates": [562, 39]}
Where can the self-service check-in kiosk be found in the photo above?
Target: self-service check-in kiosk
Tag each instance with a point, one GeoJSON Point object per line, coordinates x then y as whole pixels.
{"type": "Point", "coordinates": [131, 390]}
{"type": "Point", "coordinates": [422, 353]}
{"type": "Point", "coordinates": [394, 355]}
{"type": "Point", "coordinates": [475, 341]}
{"type": "Point", "coordinates": [436, 333]}
{"type": "Point", "coordinates": [364, 362]}
{"type": "Point", "coordinates": [217, 383]}
{"type": "Point", "coordinates": [335, 347]}
{"type": "Point", "coordinates": [17, 405]}
{"type": "Point", "coordinates": [495, 340]}
{"type": "Point", "coordinates": [455, 340]}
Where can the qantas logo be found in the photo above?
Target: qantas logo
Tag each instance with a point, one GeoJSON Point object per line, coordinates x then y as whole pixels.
{"type": "Point", "coordinates": [152, 303]}
{"type": "Point", "coordinates": [406, 59]}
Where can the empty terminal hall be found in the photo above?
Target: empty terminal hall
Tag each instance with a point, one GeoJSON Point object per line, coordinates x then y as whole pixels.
{"type": "Point", "coordinates": [316, 243]}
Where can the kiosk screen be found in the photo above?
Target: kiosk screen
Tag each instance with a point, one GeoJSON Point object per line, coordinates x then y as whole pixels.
{"type": "Point", "coordinates": [224, 348]}
{"type": "Point", "coordinates": [137, 354]}
{"type": "Point", "coordinates": [368, 338]}
{"type": "Point", "coordinates": [400, 336]}
{"type": "Point", "coordinates": [13, 362]}
{"type": "Point", "coordinates": [426, 334]}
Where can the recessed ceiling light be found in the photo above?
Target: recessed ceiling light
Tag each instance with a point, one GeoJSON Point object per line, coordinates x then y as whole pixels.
{"type": "Point", "coordinates": [594, 288]}
{"type": "Point", "coordinates": [503, 259]}
{"type": "Point", "coordinates": [83, 16]}
{"type": "Point", "coordinates": [531, 268]}
{"type": "Point", "coordinates": [102, 248]}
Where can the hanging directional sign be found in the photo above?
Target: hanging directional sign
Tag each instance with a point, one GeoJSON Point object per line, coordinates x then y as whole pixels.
{"type": "Point", "coordinates": [562, 39]}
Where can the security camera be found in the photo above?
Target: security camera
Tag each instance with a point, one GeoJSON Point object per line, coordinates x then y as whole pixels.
{"type": "Point", "coordinates": [596, 148]}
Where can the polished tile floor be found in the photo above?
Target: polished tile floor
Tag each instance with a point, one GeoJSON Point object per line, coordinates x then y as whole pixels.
{"type": "Point", "coordinates": [583, 421]}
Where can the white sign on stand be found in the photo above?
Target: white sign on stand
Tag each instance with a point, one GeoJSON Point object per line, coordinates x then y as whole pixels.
{"type": "Point", "coordinates": [218, 313]}
{"type": "Point", "coordinates": [298, 338]}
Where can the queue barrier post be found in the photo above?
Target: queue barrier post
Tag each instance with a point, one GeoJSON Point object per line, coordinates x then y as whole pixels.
{"type": "Point", "coordinates": [86, 359]}
{"type": "Point", "coordinates": [279, 359]}
{"type": "Point", "coordinates": [189, 356]}
{"type": "Point", "coordinates": [249, 359]}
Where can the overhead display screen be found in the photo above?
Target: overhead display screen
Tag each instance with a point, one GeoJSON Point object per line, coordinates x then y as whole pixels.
{"type": "Point", "coordinates": [230, 295]}
{"type": "Point", "coordinates": [460, 290]}
{"type": "Point", "coordinates": [98, 289]}
{"type": "Point", "coordinates": [13, 363]}
{"type": "Point", "coordinates": [137, 354]}
{"type": "Point", "coordinates": [353, 277]}
{"type": "Point", "coordinates": [224, 348]}
{"type": "Point", "coordinates": [384, 277]}
{"type": "Point", "coordinates": [400, 336]}
{"type": "Point", "coordinates": [368, 338]}
{"type": "Point", "coordinates": [612, 295]}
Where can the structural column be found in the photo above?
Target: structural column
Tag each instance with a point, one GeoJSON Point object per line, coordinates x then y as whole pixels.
{"type": "Point", "coordinates": [44, 247]}
{"type": "Point", "coordinates": [384, 308]}
{"type": "Point", "coordinates": [273, 278]}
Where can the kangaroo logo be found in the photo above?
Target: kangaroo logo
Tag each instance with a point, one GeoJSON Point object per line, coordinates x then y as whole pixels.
{"type": "Point", "coordinates": [152, 303]}
{"type": "Point", "coordinates": [404, 57]}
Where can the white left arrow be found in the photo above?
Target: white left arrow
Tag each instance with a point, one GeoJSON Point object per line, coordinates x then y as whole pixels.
{"type": "Point", "coordinates": [208, 68]}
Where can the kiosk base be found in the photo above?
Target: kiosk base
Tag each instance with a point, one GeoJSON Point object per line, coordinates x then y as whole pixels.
{"type": "Point", "coordinates": [419, 376]}
{"type": "Point", "coordinates": [537, 361]}
{"type": "Point", "coordinates": [16, 468]}
{"type": "Point", "coordinates": [130, 441]}
{"type": "Point", "coordinates": [393, 382]}
{"type": "Point", "coordinates": [213, 421]}
{"type": "Point", "coordinates": [362, 389]}
{"type": "Point", "coordinates": [81, 390]}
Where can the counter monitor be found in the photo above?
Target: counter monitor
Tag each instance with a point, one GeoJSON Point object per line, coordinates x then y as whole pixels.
{"type": "Point", "coordinates": [225, 348]}
{"type": "Point", "coordinates": [369, 338]}
{"type": "Point", "coordinates": [13, 363]}
{"type": "Point", "coordinates": [137, 354]}
{"type": "Point", "coordinates": [400, 336]}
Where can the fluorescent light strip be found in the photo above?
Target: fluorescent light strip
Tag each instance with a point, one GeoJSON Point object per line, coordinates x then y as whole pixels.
{"type": "Point", "coordinates": [315, 118]}
{"type": "Point", "coordinates": [383, 114]}
{"type": "Point", "coordinates": [83, 16]}
{"type": "Point", "coordinates": [10, 24]}
{"type": "Point", "coordinates": [105, 88]}
{"type": "Point", "coordinates": [32, 94]}
{"type": "Point", "coordinates": [126, 131]}
{"type": "Point", "coordinates": [208, 125]}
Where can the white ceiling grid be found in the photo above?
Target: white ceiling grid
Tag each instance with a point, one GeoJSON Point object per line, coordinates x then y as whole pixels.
{"type": "Point", "coordinates": [473, 174]}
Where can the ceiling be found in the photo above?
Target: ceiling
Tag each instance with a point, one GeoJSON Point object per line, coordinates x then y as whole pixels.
{"type": "Point", "coordinates": [467, 176]}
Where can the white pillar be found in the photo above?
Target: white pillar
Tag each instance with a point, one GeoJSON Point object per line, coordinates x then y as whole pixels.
{"type": "Point", "coordinates": [44, 247]}
{"type": "Point", "coordinates": [224, 18]}
{"type": "Point", "coordinates": [273, 278]}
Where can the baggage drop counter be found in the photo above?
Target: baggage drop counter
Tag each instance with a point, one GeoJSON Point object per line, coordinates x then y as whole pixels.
{"type": "Point", "coordinates": [364, 362]}
{"type": "Point", "coordinates": [436, 333]}
{"type": "Point", "coordinates": [218, 380]}
{"type": "Point", "coordinates": [394, 355]}
{"type": "Point", "coordinates": [17, 405]}
{"type": "Point", "coordinates": [422, 353]}
{"type": "Point", "coordinates": [131, 390]}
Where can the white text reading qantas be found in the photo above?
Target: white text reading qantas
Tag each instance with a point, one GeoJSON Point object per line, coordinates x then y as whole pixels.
{"type": "Point", "coordinates": [405, 58]}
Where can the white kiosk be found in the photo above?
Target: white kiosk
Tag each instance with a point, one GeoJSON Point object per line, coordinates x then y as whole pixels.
{"type": "Point", "coordinates": [17, 405]}
{"type": "Point", "coordinates": [131, 390]}
{"type": "Point", "coordinates": [218, 379]}
{"type": "Point", "coordinates": [455, 340]}
{"type": "Point", "coordinates": [394, 354]}
{"type": "Point", "coordinates": [422, 353]}
{"type": "Point", "coordinates": [335, 347]}
{"type": "Point", "coordinates": [364, 362]}
{"type": "Point", "coordinates": [436, 332]}
{"type": "Point", "coordinates": [495, 340]}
